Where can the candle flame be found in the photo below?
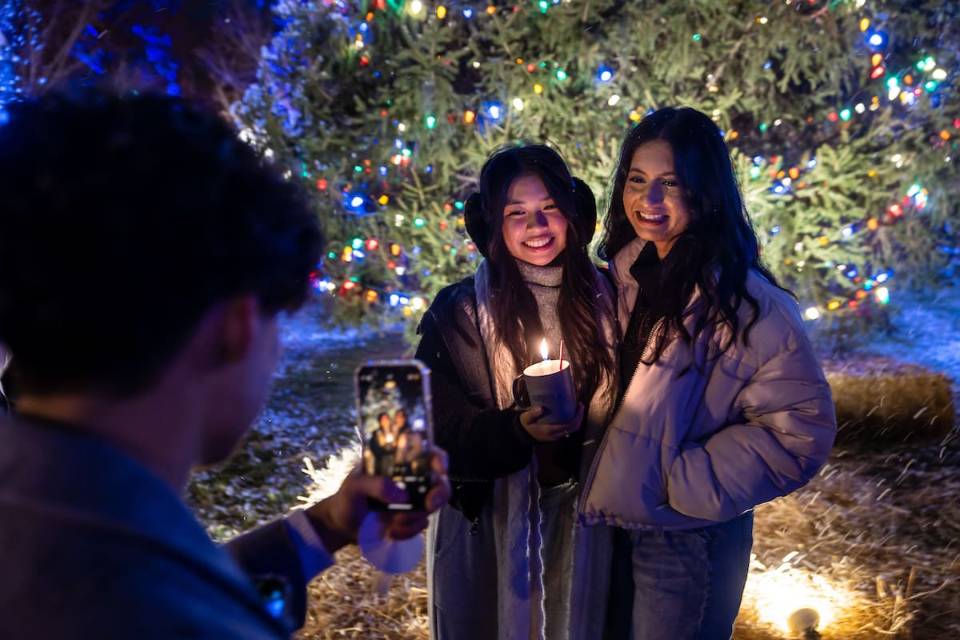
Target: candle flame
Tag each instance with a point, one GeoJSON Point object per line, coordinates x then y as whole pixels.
{"type": "Point", "coordinates": [544, 349]}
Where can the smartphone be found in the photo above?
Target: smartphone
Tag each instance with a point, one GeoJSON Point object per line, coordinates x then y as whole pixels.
{"type": "Point", "coordinates": [395, 423]}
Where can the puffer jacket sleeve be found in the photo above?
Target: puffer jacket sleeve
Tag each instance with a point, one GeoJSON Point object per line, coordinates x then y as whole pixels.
{"type": "Point", "coordinates": [784, 433]}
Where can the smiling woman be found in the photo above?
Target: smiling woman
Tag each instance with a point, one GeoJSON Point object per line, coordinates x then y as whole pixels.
{"type": "Point", "coordinates": [534, 228]}
{"type": "Point", "coordinates": [532, 221]}
{"type": "Point", "coordinates": [653, 196]}
{"type": "Point", "coordinates": [724, 405]}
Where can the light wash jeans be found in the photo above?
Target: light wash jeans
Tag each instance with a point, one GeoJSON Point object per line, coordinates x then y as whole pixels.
{"type": "Point", "coordinates": [679, 585]}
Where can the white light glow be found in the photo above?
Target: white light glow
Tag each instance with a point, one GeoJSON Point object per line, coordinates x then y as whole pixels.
{"type": "Point", "coordinates": [776, 593]}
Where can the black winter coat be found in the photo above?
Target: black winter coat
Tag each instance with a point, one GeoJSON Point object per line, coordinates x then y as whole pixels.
{"type": "Point", "coordinates": [484, 443]}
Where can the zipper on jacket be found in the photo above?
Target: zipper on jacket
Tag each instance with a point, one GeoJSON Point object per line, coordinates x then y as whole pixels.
{"type": "Point", "coordinates": [646, 345]}
{"type": "Point", "coordinates": [588, 481]}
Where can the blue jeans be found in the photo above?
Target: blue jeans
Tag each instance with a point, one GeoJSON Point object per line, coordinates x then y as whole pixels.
{"type": "Point", "coordinates": [679, 585]}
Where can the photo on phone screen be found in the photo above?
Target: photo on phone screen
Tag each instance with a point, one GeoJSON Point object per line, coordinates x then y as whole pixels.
{"type": "Point", "coordinates": [393, 408]}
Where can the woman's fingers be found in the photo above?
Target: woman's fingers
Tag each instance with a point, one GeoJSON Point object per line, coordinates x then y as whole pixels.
{"type": "Point", "coordinates": [546, 431]}
{"type": "Point", "coordinates": [530, 416]}
{"type": "Point", "coordinates": [557, 431]}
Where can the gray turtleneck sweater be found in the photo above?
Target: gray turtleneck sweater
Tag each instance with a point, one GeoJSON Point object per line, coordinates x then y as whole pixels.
{"type": "Point", "coordinates": [544, 284]}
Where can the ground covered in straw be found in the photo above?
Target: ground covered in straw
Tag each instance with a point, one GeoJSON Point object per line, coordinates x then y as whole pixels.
{"type": "Point", "coordinates": [873, 542]}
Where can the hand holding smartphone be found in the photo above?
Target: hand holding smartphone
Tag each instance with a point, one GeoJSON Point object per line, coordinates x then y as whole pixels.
{"type": "Point", "coordinates": [395, 422]}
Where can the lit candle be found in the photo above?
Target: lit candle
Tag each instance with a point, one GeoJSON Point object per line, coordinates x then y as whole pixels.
{"type": "Point", "coordinates": [549, 384]}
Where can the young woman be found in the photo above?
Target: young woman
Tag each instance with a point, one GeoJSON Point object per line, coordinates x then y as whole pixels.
{"type": "Point", "coordinates": [724, 403]}
{"type": "Point", "coordinates": [507, 561]}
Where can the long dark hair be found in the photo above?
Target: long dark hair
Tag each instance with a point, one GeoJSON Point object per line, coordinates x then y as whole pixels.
{"type": "Point", "coordinates": [718, 248]}
{"type": "Point", "coordinates": [513, 306]}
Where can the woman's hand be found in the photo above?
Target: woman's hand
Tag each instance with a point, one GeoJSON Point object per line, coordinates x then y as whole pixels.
{"type": "Point", "coordinates": [546, 431]}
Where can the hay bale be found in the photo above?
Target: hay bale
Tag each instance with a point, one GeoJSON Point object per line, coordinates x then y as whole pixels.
{"type": "Point", "coordinates": [349, 601]}
{"type": "Point", "coordinates": [881, 401]}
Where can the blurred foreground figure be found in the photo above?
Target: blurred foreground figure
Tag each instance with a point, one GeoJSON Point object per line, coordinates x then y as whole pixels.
{"type": "Point", "coordinates": [145, 254]}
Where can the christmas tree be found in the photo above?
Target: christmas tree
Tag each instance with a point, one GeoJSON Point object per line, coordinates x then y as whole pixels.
{"type": "Point", "coordinates": [842, 116]}
{"type": "Point", "coordinates": [13, 37]}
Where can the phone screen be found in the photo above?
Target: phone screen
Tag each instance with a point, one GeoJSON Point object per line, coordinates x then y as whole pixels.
{"type": "Point", "coordinates": [393, 409]}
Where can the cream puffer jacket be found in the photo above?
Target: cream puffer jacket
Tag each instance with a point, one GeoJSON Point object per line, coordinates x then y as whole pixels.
{"type": "Point", "coordinates": [688, 451]}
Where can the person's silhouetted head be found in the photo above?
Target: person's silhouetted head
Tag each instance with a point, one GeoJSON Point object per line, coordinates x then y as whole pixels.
{"type": "Point", "coordinates": [122, 220]}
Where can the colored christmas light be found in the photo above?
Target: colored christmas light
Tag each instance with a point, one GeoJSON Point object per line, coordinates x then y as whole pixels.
{"type": "Point", "coordinates": [877, 39]}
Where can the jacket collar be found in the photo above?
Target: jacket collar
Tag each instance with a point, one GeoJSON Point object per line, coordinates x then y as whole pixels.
{"type": "Point", "coordinates": [624, 259]}
{"type": "Point", "coordinates": [627, 285]}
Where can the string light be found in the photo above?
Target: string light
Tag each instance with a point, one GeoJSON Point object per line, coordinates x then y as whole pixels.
{"type": "Point", "coordinates": [604, 73]}
{"type": "Point", "coordinates": [901, 87]}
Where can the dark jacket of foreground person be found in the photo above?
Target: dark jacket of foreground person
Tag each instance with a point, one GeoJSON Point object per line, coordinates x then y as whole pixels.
{"type": "Point", "coordinates": [96, 546]}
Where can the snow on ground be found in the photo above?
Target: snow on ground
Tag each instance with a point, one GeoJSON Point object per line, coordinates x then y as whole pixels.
{"type": "Point", "coordinates": [309, 414]}
{"type": "Point", "coordinates": [927, 332]}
